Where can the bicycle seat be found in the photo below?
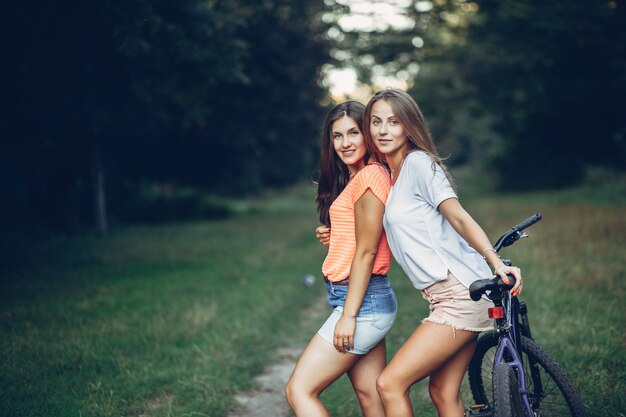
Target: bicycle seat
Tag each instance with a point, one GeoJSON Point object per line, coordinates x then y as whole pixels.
{"type": "Point", "coordinates": [478, 288]}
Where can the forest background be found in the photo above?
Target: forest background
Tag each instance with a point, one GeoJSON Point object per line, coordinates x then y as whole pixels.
{"type": "Point", "coordinates": [151, 110]}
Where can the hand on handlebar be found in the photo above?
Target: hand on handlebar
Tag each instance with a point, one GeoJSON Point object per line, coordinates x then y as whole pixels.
{"type": "Point", "coordinates": [503, 270]}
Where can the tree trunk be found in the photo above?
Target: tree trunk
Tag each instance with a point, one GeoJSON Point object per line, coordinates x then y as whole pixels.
{"type": "Point", "coordinates": [99, 194]}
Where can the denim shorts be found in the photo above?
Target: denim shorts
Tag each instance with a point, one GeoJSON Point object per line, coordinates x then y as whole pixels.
{"type": "Point", "coordinates": [451, 305]}
{"type": "Point", "coordinates": [374, 319]}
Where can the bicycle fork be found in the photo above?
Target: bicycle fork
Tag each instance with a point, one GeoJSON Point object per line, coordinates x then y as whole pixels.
{"type": "Point", "coordinates": [506, 347]}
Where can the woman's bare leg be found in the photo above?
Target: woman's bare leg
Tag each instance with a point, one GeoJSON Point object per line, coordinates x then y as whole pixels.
{"type": "Point", "coordinates": [363, 376]}
{"type": "Point", "coordinates": [430, 347]}
{"type": "Point", "coordinates": [319, 365]}
{"type": "Point", "coordinates": [445, 383]}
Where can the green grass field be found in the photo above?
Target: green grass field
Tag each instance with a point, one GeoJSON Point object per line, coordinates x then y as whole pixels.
{"type": "Point", "coordinates": [172, 320]}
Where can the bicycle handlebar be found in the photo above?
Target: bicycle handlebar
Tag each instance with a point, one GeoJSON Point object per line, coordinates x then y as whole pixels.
{"type": "Point", "coordinates": [514, 233]}
{"type": "Point", "coordinates": [528, 222]}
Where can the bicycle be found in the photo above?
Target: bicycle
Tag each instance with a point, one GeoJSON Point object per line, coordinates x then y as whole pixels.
{"type": "Point", "coordinates": [523, 379]}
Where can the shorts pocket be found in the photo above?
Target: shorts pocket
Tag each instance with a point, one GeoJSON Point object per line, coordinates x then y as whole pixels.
{"type": "Point", "coordinates": [441, 296]}
{"type": "Point", "coordinates": [385, 308]}
{"type": "Point", "coordinates": [336, 296]}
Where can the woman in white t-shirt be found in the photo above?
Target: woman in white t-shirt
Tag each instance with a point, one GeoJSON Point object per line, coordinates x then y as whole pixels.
{"type": "Point", "coordinates": [440, 248]}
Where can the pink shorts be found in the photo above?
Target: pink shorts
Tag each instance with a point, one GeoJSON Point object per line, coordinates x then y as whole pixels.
{"type": "Point", "coordinates": [450, 304]}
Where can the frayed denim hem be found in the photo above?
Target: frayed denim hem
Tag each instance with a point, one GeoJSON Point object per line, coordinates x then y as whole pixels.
{"type": "Point", "coordinates": [455, 328]}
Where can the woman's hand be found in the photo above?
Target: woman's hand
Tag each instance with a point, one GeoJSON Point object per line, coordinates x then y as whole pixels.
{"type": "Point", "coordinates": [322, 234]}
{"type": "Point", "coordinates": [503, 270]}
{"type": "Point", "coordinates": [344, 333]}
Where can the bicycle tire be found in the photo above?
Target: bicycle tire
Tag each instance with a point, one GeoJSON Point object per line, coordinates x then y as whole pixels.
{"type": "Point", "coordinates": [507, 401]}
{"type": "Point", "coordinates": [559, 395]}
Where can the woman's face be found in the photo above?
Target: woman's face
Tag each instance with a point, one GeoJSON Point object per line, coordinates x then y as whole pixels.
{"type": "Point", "coordinates": [387, 131]}
{"type": "Point", "coordinates": [348, 143]}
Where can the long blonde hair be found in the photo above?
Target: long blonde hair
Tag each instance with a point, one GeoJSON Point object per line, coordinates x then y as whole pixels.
{"type": "Point", "coordinates": [410, 117]}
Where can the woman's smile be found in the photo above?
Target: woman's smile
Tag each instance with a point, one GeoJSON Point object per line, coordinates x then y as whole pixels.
{"type": "Point", "coordinates": [348, 142]}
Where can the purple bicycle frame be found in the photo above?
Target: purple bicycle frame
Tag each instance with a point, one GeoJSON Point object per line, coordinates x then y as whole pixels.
{"type": "Point", "coordinates": [506, 344]}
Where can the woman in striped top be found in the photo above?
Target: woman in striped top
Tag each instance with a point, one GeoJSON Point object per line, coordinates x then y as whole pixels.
{"type": "Point", "coordinates": [352, 192]}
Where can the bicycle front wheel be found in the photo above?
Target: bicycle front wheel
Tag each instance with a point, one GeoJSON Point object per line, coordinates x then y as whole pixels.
{"type": "Point", "coordinates": [507, 401]}
{"type": "Point", "coordinates": [550, 391]}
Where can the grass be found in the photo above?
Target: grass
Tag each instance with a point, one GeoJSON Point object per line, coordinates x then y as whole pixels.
{"type": "Point", "coordinates": [173, 320]}
{"type": "Point", "coordinates": [155, 321]}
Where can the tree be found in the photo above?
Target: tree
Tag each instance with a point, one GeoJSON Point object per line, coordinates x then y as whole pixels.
{"type": "Point", "coordinates": [532, 88]}
{"type": "Point", "coordinates": [220, 94]}
{"type": "Point", "coordinates": [552, 74]}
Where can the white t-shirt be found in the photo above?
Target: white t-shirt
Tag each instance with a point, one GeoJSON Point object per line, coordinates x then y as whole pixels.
{"type": "Point", "coordinates": [421, 239]}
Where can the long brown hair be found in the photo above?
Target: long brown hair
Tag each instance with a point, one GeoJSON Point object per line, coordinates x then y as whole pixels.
{"type": "Point", "coordinates": [334, 174]}
{"type": "Point", "coordinates": [410, 117]}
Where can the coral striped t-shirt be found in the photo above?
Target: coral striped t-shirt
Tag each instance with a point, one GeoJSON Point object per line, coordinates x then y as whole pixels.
{"type": "Point", "coordinates": [342, 246]}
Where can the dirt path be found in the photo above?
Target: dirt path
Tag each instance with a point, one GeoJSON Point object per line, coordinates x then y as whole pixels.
{"type": "Point", "coordinates": [269, 399]}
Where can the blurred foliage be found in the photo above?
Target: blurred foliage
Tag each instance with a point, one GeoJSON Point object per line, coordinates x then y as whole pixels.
{"type": "Point", "coordinates": [159, 203]}
{"type": "Point", "coordinates": [528, 92]}
{"type": "Point", "coordinates": [552, 74]}
{"type": "Point", "coordinates": [224, 96]}
{"type": "Point", "coordinates": [219, 95]}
